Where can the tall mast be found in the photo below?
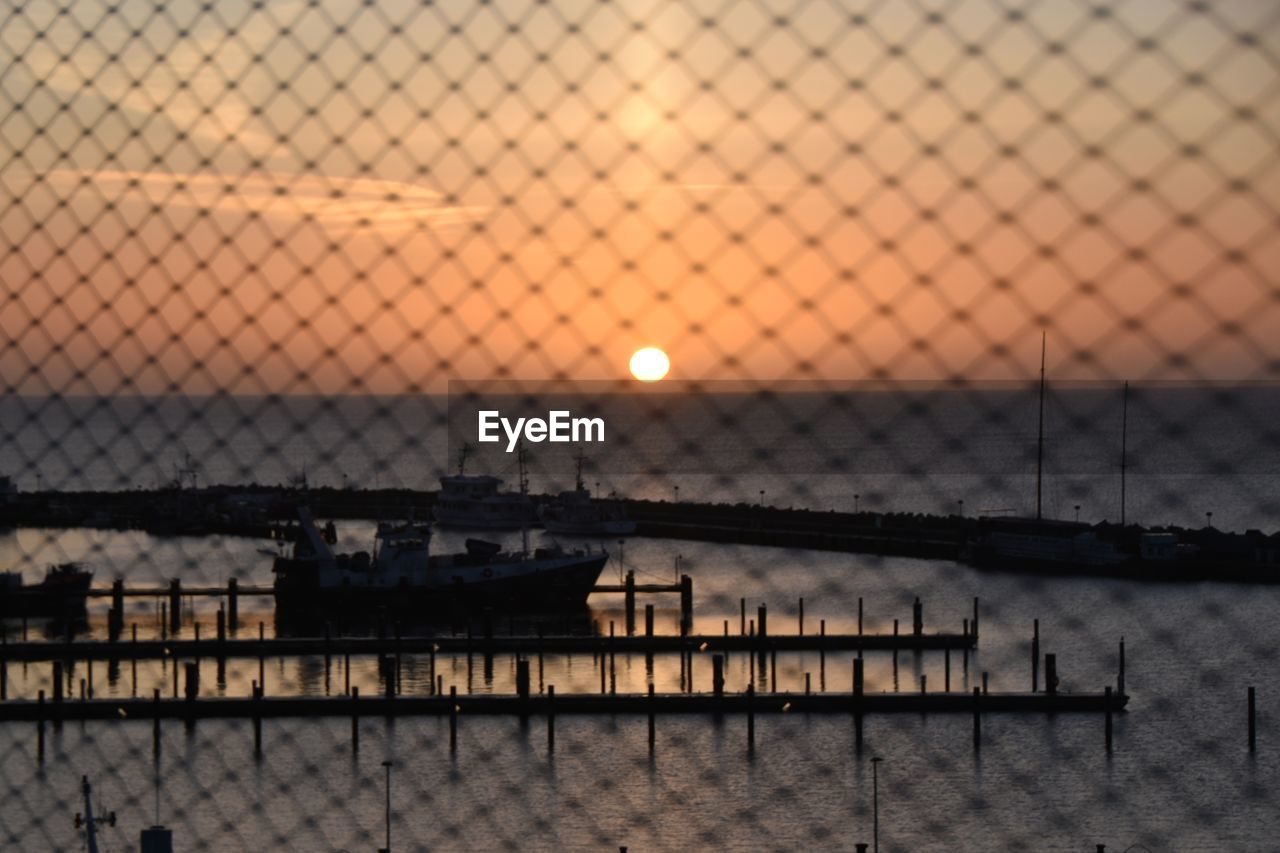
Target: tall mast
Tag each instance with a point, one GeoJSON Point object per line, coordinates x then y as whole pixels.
{"type": "Point", "coordinates": [1040, 437]}
{"type": "Point", "coordinates": [524, 515]}
{"type": "Point", "coordinates": [1124, 446]}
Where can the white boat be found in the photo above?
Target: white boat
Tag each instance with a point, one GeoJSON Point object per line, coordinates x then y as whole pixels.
{"type": "Point", "coordinates": [576, 513]}
{"type": "Point", "coordinates": [476, 501]}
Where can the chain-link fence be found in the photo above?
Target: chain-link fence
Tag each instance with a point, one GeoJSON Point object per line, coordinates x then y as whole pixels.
{"type": "Point", "coordinates": [961, 300]}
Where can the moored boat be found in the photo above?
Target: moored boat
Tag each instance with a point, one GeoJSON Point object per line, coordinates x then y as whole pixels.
{"type": "Point", "coordinates": [577, 513]}
{"type": "Point", "coordinates": [401, 573]}
{"type": "Point", "coordinates": [62, 591]}
{"type": "Point", "coordinates": [477, 501]}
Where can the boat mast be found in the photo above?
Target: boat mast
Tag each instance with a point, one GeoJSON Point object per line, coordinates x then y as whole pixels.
{"type": "Point", "coordinates": [1040, 437]}
{"type": "Point", "coordinates": [1124, 446]}
{"type": "Point", "coordinates": [524, 491]}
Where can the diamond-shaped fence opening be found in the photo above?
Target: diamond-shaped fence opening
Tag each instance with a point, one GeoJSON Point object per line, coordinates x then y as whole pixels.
{"type": "Point", "coordinates": [942, 283]}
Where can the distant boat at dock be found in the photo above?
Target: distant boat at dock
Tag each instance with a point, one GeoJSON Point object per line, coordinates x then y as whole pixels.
{"type": "Point", "coordinates": [62, 591]}
{"type": "Point", "coordinates": [476, 501]}
{"type": "Point", "coordinates": [577, 513]}
{"type": "Point", "coordinates": [402, 574]}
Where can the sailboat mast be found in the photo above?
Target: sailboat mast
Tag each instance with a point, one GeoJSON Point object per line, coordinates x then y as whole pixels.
{"type": "Point", "coordinates": [524, 515]}
{"type": "Point", "coordinates": [1124, 447]}
{"type": "Point", "coordinates": [1040, 436]}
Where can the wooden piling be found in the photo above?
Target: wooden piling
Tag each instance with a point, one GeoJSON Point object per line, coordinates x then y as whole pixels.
{"type": "Point", "coordinates": [742, 604]}
{"type": "Point", "coordinates": [917, 617]}
{"type": "Point", "coordinates": [762, 616]}
{"type": "Point", "coordinates": [522, 679]}
{"type": "Point", "coordinates": [40, 728]}
{"type": "Point", "coordinates": [1051, 674]}
{"type": "Point", "coordinates": [388, 667]}
{"type": "Point", "coordinates": [859, 616]}
{"type": "Point", "coordinates": [1120, 674]}
{"type": "Point", "coordinates": [192, 681]}
{"type": "Point", "coordinates": [155, 722]}
{"type": "Point", "coordinates": [648, 620]}
{"type": "Point", "coordinates": [984, 682]}
{"type": "Point", "coordinates": [355, 719]}
{"type": "Point", "coordinates": [453, 718]}
{"type": "Point", "coordinates": [822, 656]}
{"type": "Point", "coordinates": [800, 630]}
{"type": "Point", "coordinates": [1035, 656]}
{"type": "Point", "coordinates": [751, 718]}
{"type": "Point", "coordinates": [551, 718]}
{"type": "Point", "coordinates": [629, 602]}
{"type": "Point", "coordinates": [773, 671]}
{"type": "Point", "coordinates": [977, 719]}
{"type": "Point", "coordinates": [858, 688]}
{"type": "Point", "coordinates": [1107, 713]}
{"type": "Point", "coordinates": [717, 675]}
{"type": "Point", "coordinates": [233, 604]}
{"type": "Point", "coordinates": [686, 605]}
{"type": "Point", "coordinates": [923, 682]}
{"type": "Point", "coordinates": [946, 672]}
{"type": "Point", "coordinates": [613, 671]}
{"type": "Point", "coordinates": [257, 720]}
{"type": "Point", "coordinates": [57, 680]}
{"type": "Point", "coordinates": [222, 626]}
{"type": "Point", "coordinates": [175, 606]}
{"type": "Point", "coordinates": [974, 622]}
{"type": "Point", "coordinates": [262, 661]}
{"type": "Point", "coordinates": [652, 722]}
{"type": "Point", "coordinates": [1253, 720]}
{"type": "Point", "coordinates": [808, 684]}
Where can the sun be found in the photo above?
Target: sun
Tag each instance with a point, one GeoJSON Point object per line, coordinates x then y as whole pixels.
{"type": "Point", "coordinates": [649, 364]}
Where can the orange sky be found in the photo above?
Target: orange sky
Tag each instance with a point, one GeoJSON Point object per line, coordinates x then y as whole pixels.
{"type": "Point", "coordinates": [765, 190]}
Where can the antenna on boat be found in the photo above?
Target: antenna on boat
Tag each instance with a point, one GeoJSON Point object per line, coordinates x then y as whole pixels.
{"type": "Point", "coordinates": [1124, 447]}
{"type": "Point", "coordinates": [524, 490]}
{"type": "Point", "coordinates": [1040, 437]}
{"type": "Point", "coordinates": [463, 452]}
{"type": "Point", "coordinates": [580, 458]}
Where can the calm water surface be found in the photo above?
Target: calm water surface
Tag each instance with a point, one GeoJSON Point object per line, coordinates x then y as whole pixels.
{"type": "Point", "coordinates": [1180, 777]}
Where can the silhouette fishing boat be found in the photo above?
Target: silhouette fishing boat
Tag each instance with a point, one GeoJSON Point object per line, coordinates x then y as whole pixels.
{"type": "Point", "coordinates": [62, 592]}
{"type": "Point", "coordinates": [477, 501]}
{"type": "Point", "coordinates": [401, 573]}
{"type": "Point", "coordinates": [577, 513]}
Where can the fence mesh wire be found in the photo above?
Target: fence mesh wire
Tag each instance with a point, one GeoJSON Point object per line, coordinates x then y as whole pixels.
{"type": "Point", "coordinates": [246, 246]}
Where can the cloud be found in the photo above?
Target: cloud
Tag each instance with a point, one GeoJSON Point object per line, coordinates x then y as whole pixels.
{"type": "Point", "coordinates": [332, 202]}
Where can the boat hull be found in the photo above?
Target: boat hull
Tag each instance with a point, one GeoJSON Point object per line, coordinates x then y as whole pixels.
{"type": "Point", "coordinates": [565, 583]}
{"type": "Point", "coordinates": [62, 598]}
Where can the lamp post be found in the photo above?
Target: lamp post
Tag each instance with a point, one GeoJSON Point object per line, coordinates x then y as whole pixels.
{"type": "Point", "coordinates": [1077, 513]}
{"type": "Point", "coordinates": [961, 504]}
{"type": "Point", "coordinates": [387, 765]}
{"type": "Point", "coordinates": [856, 499]}
{"type": "Point", "coordinates": [677, 490]}
{"type": "Point", "coordinates": [875, 803]}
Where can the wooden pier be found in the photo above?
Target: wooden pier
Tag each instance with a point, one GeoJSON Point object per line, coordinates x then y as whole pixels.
{"type": "Point", "coordinates": [107, 650]}
{"type": "Point", "coordinates": [257, 706]}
